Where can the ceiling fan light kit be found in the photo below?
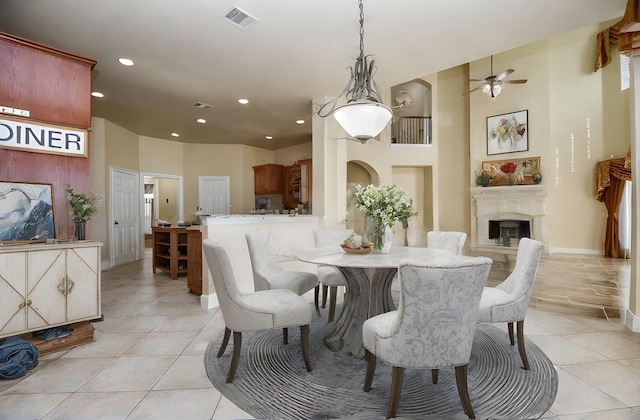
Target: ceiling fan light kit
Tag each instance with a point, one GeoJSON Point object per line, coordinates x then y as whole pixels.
{"type": "Point", "coordinates": [364, 116]}
{"type": "Point", "coordinates": [492, 85]}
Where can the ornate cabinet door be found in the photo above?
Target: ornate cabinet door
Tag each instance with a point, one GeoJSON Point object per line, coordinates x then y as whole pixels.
{"type": "Point", "coordinates": [46, 288]}
{"type": "Point", "coordinates": [83, 295]}
{"type": "Point", "coordinates": [13, 315]}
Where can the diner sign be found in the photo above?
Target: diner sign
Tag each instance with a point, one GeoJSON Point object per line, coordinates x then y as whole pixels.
{"type": "Point", "coordinates": [42, 138]}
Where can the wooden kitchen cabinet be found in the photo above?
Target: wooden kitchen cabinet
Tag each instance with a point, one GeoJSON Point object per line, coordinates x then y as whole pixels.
{"type": "Point", "coordinates": [291, 194]}
{"type": "Point", "coordinates": [44, 286]}
{"type": "Point", "coordinates": [297, 184]}
{"type": "Point", "coordinates": [267, 179]}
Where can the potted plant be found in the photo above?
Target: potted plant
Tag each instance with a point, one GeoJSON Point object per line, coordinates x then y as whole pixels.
{"type": "Point", "coordinates": [83, 207]}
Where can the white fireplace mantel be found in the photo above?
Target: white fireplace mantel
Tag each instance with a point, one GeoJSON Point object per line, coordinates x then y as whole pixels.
{"type": "Point", "coordinates": [517, 202]}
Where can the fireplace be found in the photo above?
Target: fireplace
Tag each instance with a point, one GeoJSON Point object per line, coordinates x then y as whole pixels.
{"type": "Point", "coordinates": [503, 215]}
{"type": "Point", "coordinates": [508, 232]}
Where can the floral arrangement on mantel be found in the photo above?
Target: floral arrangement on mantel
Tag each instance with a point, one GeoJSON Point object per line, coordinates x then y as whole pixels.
{"type": "Point", "coordinates": [483, 178]}
{"type": "Point", "coordinates": [508, 167]}
{"type": "Point", "coordinates": [83, 207]}
{"type": "Point", "coordinates": [388, 203]}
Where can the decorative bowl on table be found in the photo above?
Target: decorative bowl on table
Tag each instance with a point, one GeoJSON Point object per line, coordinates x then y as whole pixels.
{"type": "Point", "coordinates": [364, 249]}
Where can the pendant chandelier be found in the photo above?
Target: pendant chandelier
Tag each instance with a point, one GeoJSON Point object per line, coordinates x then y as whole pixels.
{"type": "Point", "coordinates": [364, 116]}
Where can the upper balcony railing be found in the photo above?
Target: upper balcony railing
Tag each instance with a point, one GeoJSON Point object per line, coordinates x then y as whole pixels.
{"type": "Point", "coordinates": [411, 130]}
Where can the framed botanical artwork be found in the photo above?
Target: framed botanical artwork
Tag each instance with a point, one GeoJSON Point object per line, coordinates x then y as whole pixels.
{"type": "Point", "coordinates": [26, 211]}
{"type": "Point", "coordinates": [522, 171]}
{"type": "Point", "coordinates": [508, 133]}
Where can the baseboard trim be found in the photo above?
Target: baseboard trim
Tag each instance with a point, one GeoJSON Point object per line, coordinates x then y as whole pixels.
{"type": "Point", "coordinates": [632, 321]}
{"type": "Point", "coordinates": [209, 301]}
{"type": "Point", "coordinates": [556, 250]}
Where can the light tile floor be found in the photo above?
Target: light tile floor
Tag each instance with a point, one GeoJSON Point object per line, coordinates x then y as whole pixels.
{"type": "Point", "coordinates": [147, 361]}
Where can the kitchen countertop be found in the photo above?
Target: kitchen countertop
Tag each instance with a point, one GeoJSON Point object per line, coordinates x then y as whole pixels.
{"type": "Point", "coordinates": [254, 218]}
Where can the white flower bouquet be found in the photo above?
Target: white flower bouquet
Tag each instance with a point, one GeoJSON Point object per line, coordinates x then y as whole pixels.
{"type": "Point", "coordinates": [387, 203]}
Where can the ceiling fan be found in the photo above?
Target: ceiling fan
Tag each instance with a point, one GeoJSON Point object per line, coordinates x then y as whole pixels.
{"type": "Point", "coordinates": [492, 85]}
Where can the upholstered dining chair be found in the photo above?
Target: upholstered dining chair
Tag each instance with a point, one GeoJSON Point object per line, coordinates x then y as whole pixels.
{"type": "Point", "coordinates": [268, 275]}
{"type": "Point", "coordinates": [330, 277]}
{"type": "Point", "coordinates": [265, 309]}
{"type": "Point", "coordinates": [508, 302]}
{"type": "Point", "coordinates": [449, 240]}
{"type": "Point", "coordinates": [433, 326]}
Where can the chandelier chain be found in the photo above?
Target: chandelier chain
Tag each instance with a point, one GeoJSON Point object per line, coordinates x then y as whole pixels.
{"type": "Point", "coordinates": [361, 27]}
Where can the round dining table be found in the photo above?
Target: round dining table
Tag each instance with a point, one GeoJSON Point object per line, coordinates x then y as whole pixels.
{"type": "Point", "coordinates": [369, 278]}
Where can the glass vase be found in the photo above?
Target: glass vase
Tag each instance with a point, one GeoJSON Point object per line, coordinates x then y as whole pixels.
{"type": "Point", "coordinates": [81, 229]}
{"type": "Point", "coordinates": [379, 235]}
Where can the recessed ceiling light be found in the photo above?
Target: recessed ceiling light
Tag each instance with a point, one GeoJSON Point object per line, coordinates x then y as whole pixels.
{"type": "Point", "coordinates": [201, 120]}
{"type": "Point", "coordinates": [243, 101]}
{"type": "Point", "coordinates": [299, 121]}
{"type": "Point", "coordinates": [268, 137]}
{"type": "Point", "coordinates": [175, 134]}
{"type": "Point", "coordinates": [126, 62]}
{"type": "Point", "coordinates": [97, 94]}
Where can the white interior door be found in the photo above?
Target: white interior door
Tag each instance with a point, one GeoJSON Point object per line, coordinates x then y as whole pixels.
{"type": "Point", "coordinates": [214, 195]}
{"type": "Point", "coordinates": [124, 220]}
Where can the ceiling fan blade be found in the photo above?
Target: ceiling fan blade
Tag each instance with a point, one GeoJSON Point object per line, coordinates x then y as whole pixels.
{"type": "Point", "coordinates": [504, 74]}
{"type": "Point", "coordinates": [478, 86]}
{"type": "Point", "coordinates": [515, 82]}
{"type": "Point", "coordinates": [476, 80]}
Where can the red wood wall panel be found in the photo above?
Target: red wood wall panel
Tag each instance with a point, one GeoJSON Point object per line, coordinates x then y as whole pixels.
{"type": "Point", "coordinates": [55, 86]}
{"type": "Point", "coordinates": [58, 170]}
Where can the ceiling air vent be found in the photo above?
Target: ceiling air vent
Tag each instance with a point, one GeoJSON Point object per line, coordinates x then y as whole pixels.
{"type": "Point", "coordinates": [238, 17]}
{"type": "Point", "coordinates": [202, 105]}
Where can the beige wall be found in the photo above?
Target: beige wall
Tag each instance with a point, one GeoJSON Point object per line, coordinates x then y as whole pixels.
{"type": "Point", "coordinates": [167, 200]}
{"type": "Point", "coordinates": [111, 145]}
{"type": "Point", "coordinates": [565, 100]}
{"type": "Point", "coordinates": [220, 160]}
{"type": "Point", "coordinates": [289, 155]}
{"type": "Point", "coordinates": [121, 147]}
{"type": "Point", "coordinates": [452, 118]}
{"type": "Point", "coordinates": [99, 176]}
{"type": "Point", "coordinates": [160, 156]}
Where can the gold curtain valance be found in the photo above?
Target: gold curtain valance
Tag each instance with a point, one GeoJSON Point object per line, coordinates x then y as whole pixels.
{"type": "Point", "coordinates": [625, 33]}
{"type": "Point", "coordinates": [618, 168]}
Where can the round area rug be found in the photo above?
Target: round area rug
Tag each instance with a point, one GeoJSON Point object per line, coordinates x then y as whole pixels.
{"type": "Point", "coordinates": [272, 383]}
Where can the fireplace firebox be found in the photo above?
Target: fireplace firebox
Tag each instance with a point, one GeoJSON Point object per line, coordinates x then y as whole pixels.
{"type": "Point", "coordinates": [509, 232]}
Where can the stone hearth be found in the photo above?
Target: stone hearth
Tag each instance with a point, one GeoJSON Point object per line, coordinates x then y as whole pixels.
{"type": "Point", "coordinates": [523, 203]}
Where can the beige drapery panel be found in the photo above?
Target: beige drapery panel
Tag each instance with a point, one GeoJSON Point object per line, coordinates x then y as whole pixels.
{"type": "Point", "coordinates": [610, 177]}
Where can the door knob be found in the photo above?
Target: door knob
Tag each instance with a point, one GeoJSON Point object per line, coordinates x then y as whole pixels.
{"type": "Point", "coordinates": [116, 223]}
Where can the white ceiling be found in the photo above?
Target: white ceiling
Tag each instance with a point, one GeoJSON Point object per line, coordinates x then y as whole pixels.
{"type": "Point", "coordinates": [300, 49]}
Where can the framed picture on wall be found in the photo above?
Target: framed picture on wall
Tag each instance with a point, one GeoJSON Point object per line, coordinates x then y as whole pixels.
{"type": "Point", "coordinates": [508, 133]}
{"type": "Point", "coordinates": [26, 211]}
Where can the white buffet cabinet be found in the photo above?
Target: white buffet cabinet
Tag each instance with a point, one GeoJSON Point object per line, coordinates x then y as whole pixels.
{"type": "Point", "coordinates": [48, 285]}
